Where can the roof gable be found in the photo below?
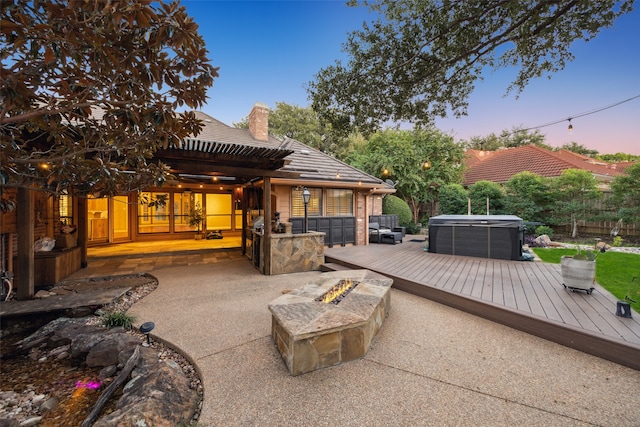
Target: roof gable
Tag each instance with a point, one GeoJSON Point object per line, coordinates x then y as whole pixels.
{"type": "Point", "coordinates": [501, 165]}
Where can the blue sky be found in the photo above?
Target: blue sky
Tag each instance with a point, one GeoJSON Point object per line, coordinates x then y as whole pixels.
{"type": "Point", "coordinates": [268, 51]}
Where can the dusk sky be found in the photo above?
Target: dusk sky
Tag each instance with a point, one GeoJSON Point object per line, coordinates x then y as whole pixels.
{"type": "Point", "coordinates": [268, 51]}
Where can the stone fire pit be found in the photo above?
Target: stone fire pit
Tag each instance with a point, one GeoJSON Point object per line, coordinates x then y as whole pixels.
{"type": "Point", "coordinates": [312, 334]}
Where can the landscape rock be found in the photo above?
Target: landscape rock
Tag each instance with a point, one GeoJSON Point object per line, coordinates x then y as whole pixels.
{"type": "Point", "coordinates": [114, 349]}
{"type": "Point", "coordinates": [157, 395]}
{"type": "Point", "coordinates": [543, 241]}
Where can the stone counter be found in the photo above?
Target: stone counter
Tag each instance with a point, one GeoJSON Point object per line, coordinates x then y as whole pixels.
{"type": "Point", "coordinates": [294, 253]}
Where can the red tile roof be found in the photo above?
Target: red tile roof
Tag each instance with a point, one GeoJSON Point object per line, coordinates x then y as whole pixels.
{"type": "Point", "coordinates": [499, 166]}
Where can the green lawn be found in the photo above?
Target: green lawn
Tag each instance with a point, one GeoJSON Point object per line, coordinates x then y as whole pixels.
{"type": "Point", "coordinates": [614, 271]}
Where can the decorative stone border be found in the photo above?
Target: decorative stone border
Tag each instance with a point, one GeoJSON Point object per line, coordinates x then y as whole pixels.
{"type": "Point", "coordinates": [311, 335]}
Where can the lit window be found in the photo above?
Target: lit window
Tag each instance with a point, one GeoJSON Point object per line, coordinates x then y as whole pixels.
{"type": "Point", "coordinates": [315, 203]}
{"type": "Point", "coordinates": [339, 202]}
{"type": "Point", "coordinates": [65, 208]}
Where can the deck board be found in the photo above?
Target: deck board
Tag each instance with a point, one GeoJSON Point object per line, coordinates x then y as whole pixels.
{"type": "Point", "coordinates": [525, 295]}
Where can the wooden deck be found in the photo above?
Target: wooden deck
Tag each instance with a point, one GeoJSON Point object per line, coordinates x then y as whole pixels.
{"type": "Point", "coordinates": [527, 296]}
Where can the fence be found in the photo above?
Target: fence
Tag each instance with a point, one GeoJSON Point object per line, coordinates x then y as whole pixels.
{"type": "Point", "coordinates": [604, 229]}
{"type": "Point", "coordinates": [339, 230]}
{"type": "Point", "coordinates": [385, 221]}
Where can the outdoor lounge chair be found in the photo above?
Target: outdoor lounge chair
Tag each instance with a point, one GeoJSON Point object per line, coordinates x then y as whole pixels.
{"type": "Point", "coordinates": [379, 234]}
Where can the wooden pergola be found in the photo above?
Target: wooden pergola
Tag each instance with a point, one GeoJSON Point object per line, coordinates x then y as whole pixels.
{"type": "Point", "coordinates": [240, 164]}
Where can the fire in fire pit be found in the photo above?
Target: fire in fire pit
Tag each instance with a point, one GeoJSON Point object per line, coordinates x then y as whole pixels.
{"type": "Point", "coordinates": [338, 291]}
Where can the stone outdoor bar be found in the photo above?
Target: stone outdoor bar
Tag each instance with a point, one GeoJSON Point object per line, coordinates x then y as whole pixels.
{"type": "Point", "coordinates": [312, 334]}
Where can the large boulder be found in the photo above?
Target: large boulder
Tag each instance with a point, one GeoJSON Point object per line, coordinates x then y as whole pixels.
{"type": "Point", "coordinates": [157, 395]}
{"type": "Point", "coordinates": [114, 349]}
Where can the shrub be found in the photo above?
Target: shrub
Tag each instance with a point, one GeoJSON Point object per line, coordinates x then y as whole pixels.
{"type": "Point", "coordinates": [543, 229]}
{"type": "Point", "coordinates": [395, 205]}
{"type": "Point", "coordinates": [413, 229]}
{"type": "Point", "coordinates": [116, 319]}
{"type": "Point", "coordinates": [617, 241]}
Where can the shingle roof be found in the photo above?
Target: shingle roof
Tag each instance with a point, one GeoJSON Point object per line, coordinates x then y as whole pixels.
{"type": "Point", "coordinates": [499, 166]}
{"type": "Point", "coordinates": [315, 165]}
{"type": "Point", "coordinates": [309, 163]}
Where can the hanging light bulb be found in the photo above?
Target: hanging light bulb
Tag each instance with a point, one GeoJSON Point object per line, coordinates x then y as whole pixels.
{"type": "Point", "coordinates": [570, 126]}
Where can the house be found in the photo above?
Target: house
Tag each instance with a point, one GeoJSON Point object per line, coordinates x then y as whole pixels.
{"type": "Point", "coordinates": [238, 178]}
{"type": "Point", "coordinates": [499, 166]}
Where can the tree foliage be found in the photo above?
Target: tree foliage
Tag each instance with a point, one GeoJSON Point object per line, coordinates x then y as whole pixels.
{"type": "Point", "coordinates": [420, 59]}
{"type": "Point", "coordinates": [526, 196]}
{"type": "Point", "coordinates": [301, 124]}
{"type": "Point", "coordinates": [619, 157]}
{"type": "Point", "coordinates": [418, 162]}
{"type": "Point", "coordinates": [626, 194]}
{"type": "Point", "coordinates": [573, 194]}
{"type": "Point", "coordinates": [579, 149]}
{"type": "Point", "coordinates": [486, 192]}
{"type": "Point", "coordinates": [516, 137]}
{"type": "Point", "coordinates": [89, 92]}
{"type": "Point", "coordinates": [453, 199]}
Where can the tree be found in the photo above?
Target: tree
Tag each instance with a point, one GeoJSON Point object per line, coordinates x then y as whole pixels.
{"type": "Point", "coordinates": [579, 149]}
{"type": "Point", "coordinates": [90, 90]}
{"type": "Point", "coordinates": [626, 194]}
{"type": "Point", "coordinates": [574, 192]}
{"type": "Point", "coordinates": [418, 161]}
{"type": "Point", "coordinates": [618, 157]}
{"type": "Point", "coordinates": [516, 137]}
{"type": "Point", "coordinates": [486, 197]}
{"type": "Point", "coordinates": [302, 124]}
{"type": "Point", "coordinates": [420, 59]}
{"type": "Point", "coordinates": [526, 196]}
{"type": "Point", "coordinates": [453, 199]}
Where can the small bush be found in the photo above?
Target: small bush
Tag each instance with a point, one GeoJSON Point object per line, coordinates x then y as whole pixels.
{"type": "Point", "coordinates": [395, 205]}
{"type": "Point", "coordinates": [543, 229]}
{"type": "Point", "coordinates": [116, 319]}
{"type": "Point", "coordinates": [617, 241]}
{"type": "Point", "coordinates": [413, 229]}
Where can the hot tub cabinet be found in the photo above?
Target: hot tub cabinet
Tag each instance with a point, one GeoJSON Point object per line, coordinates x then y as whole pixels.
{"type": "Point", "coordinates": [484, 236]}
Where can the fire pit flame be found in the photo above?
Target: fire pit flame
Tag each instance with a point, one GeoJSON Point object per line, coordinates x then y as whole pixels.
{"type": "Point", "coordinates": [337, 292]}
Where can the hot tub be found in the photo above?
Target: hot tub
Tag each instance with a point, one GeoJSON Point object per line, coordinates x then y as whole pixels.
{"type": "Point", "coordinates": [484, 236]}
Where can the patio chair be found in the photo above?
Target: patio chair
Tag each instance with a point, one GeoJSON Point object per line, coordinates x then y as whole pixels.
{"type": "Point", "coordinates": [379, 234]}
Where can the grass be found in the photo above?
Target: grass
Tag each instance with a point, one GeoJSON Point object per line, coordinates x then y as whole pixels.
{"type": "Point", "coordinates": [116, 319]}
{"type": "Point", "coordinates": [614, 271]}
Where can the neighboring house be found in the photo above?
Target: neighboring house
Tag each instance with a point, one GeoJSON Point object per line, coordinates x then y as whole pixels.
{"type": "Point", "coordinates": [499, 166]}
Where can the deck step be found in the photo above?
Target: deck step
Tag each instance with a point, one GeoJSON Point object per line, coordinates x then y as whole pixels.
{"type": "Point", "coordinates": [331, 266]}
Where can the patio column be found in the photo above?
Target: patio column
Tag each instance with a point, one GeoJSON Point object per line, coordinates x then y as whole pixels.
{"type": "Point", "coordinates": [266, 241]}
{"type": "Point", "coordinates": [26, 257]}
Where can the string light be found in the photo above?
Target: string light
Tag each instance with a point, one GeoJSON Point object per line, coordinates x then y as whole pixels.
{"type": "Point", "coordinates": [587, 113]}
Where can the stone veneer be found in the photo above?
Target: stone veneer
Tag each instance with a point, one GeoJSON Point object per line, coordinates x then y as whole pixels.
{"type": "Point", "coordinates": [295, 253]}
{"type": "Point", "coordinates": [311, 335]}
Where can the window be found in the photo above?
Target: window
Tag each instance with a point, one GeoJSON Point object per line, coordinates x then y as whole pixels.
{"type": "Point", "coordinates": [315, 203]}
{"type": "Point", "coordinates": [182, 204]}
{"type": "Point", "coordinates": [65, 208]}
{"type": "Point", "coordinates": [153, 214]}
{"type": "Point", "coordinates": [219, 211]}
{"type": "Point", "coordinates": [339, 202]}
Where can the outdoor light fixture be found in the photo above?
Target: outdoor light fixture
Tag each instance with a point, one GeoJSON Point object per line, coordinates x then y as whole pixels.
{"type": "Point", "coordinates": [306, 197]}
{"type": "Point", "coordinates": [570, 125]}
{"type": "Point", "coordinates": [426, 165]}
{"type": "Point", "coordinates": [145, 328]}
{"type": "Point", "coordinates": [385, 172]}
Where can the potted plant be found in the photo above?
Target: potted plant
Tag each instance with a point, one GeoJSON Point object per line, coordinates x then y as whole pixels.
{"type": "Point", "coordinates": [579, 271]}
{"type": "Point", "coordinates": [196, 216]}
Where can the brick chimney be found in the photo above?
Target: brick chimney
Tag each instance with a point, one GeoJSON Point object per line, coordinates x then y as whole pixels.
{"type": "Point", "coordinates": [259, 122]}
